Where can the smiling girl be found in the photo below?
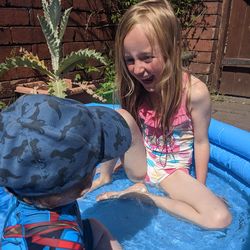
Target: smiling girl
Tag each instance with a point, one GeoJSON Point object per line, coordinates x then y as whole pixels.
{"type": "Point", "coordinates": [172, 109]}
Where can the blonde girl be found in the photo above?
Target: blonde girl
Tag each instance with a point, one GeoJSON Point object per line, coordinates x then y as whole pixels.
{"type": "Point", "coordinates": [173, 110]}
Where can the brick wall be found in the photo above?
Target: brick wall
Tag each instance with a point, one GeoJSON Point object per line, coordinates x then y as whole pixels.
{"type": "Point", "coordinates": [203, 40]}
{"type": "Point", "coordinates": [89, 26]}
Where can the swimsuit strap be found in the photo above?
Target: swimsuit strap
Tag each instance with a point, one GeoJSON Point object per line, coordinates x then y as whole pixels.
{"type": "Point", "coordinates": [185, 91]}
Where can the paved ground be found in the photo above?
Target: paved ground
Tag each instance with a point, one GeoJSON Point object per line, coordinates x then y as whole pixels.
{"type": "Point", "coordinates": [232, 110]}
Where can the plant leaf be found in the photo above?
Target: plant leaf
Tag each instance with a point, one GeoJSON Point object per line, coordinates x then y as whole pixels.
{"type": "Point", "coordinates": [55, 13]}
{"type": "Point", "coordinates": [45, 9]}
{"type": "Point", "coordinates": [58, 88]}
{"type": "Point", "coordinates": [78, 57]}
{"type": "Point", "coordinates": [30, 61]}
{"type": "Point", "coordinates": [52, 41]}
{"type": "Point", "coordinates": [64, 22]}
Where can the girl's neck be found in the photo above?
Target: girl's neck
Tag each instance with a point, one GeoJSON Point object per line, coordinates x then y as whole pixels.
{"type": "Point", "coordinates": [153, 100]}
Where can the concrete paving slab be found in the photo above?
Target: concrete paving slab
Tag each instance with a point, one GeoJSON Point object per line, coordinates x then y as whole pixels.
{"type": "Point", "coordinates": [232, 110]}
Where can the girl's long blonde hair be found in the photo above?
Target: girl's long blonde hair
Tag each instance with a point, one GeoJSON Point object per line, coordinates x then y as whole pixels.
{"type": "Point", "coordinates": [161, 28]}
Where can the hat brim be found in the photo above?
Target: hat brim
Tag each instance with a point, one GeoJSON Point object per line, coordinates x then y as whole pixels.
{"type": "Point", "coordinates": [115, 132]}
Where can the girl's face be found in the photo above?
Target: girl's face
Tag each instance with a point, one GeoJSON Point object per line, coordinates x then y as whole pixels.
{"type": "Point", "coordinates": [143, 61]}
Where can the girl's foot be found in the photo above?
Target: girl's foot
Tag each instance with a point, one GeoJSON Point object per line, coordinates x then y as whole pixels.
{"type": "Point", "coordinates": [99, 183]}
{"type": "Point", "coordinates": [131, 192]}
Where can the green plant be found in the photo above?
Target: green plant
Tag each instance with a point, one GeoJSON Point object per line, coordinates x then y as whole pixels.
{"type": "Point", "coordinates": [53, 24]}
{"type": "Point", "coordinates": [187, 11]}
{"type": "Point", "coordinates": [120, 7]}
{"type": "Point", "coordinates": [109, 79]}
{"type": "Point", "coordinates": [2, 105]}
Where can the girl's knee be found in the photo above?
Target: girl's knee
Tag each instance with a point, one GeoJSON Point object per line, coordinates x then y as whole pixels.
{"type": "Point", "coordinates": [218, 219]}
{"type": "Point", "coordinates": [127, 117]}
{"type": "Point", "coordinates": [135, 131]}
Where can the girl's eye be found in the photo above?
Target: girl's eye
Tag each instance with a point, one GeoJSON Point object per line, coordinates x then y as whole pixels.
{"type": "Point", "coordinates": [129, 61]}
{"type": "Point", "coordinates": [148, 59]}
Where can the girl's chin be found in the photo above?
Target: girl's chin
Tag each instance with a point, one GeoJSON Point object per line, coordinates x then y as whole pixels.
{"type": "Point", "coordinates": [149, 89]}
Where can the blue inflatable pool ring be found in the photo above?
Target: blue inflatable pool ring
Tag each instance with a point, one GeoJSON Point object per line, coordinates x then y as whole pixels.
{"type": "Point", "coordinates": [143, 227]}
{"type": "Point", "coordinates": [230, 151]}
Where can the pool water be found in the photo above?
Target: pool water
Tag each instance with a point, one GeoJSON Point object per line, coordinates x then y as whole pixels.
{"type": "Point", "coordinates": [144, 227]}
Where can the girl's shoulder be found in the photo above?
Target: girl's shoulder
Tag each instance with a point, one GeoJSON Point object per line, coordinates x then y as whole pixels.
{"type": "Point", "coordinates": [198, 90]}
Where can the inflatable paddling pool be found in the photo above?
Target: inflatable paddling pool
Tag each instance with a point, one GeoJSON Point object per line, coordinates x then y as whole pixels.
{"type": "Point", "coordinates": [144, 227]}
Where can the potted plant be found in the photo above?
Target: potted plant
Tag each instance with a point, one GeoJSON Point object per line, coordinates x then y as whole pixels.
{"type": "Point", "coordinates": [53, 24]}
{"type": "Point", "coordinates": [107, 89]}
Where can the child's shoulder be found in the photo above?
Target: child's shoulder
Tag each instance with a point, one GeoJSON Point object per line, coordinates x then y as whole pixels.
{"type": "Point", "coordinates": [198, 89]}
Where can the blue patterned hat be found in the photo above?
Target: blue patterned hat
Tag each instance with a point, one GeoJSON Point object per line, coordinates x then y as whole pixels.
{"type": "Point", "coordinates": [47, 144]}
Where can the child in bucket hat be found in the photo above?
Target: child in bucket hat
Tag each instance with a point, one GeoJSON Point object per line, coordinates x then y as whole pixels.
{"type": "Point", "coordinates": [49, 149]}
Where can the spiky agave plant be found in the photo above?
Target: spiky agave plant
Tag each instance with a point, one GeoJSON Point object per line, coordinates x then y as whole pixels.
{"type": "Point", "coordinates": [53, 24]}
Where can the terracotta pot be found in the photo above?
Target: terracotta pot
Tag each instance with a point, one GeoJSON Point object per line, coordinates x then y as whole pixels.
{"type": "Point", "coordinates": [75, 92]}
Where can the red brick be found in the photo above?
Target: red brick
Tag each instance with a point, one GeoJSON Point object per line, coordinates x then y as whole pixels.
{"type": "Point", "coordinates": [6, 89]}
{"type": "Point", "coordinates": [94, 5]}
{"type": "Point", "coordinates": [201, 33]}
{"type": "Point", "coordinates": [199, 68]}
{"type": "Point", "coordinates": [5, 52]}
{"type": "Point", "coordinates": [18, 3]}
{"type": "Point", "coordinates": [5, 36]}
{"type": "Point", "coordinates": [33, 16]}
{"type": "Point", "coordinates": [36, 3]}
{"type": "Point", "coordinates": [18, 73]}
{"type": "Point", "coordinates": [203, 57]}
{"type": "Point", "coordinates": [81, 5]}
{"type": "Point", "coordinates": [69, 34]}
{"type": "Point", "coordinates": [92, 34]}
{"type": "Point", "coordinates": [67, 4]}
{"type": "Point", "coordinates": [98, 46]}
{"type": "Point", "coordinates": [207, 21]}
{"type": "Point", "coordinates": [213, 8]}
{"type": "Point", "coordinates": [41, 50]}
{"type": "Point", "coordinates": [96, 19]}
{"type": "Point", "coordinates": [13, 16]}
{"type": "Point", "coordinates": [3, 3]}
{"type": "Point", "coordinates": [102, 18]}
{"type": "Point", "coordinates": [28, 35]}
{"type": "Point", "coordinates": [201, 45]}
{"type": "Point", "coordinates": [9, 51]}
{"type": "Point", "coordinates": [78, 19]}
{"type": "Point", "coordinates": [69, 47]}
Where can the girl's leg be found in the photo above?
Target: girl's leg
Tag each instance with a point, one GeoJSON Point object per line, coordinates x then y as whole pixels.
{"type": "Point", "coordinates": [105, 170]}
{"type": "Point", "coordinates": [134, 160]}
{"type": "Point", "coordinates": [193, 201]}
{"type": "Point", "coordinates": [188, 198]}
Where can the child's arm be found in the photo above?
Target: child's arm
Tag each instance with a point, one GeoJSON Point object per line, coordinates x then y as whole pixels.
{"type": "Point", "coordinates": [201, 114]}
{"type": "Point", "coordinates": [102, 238]}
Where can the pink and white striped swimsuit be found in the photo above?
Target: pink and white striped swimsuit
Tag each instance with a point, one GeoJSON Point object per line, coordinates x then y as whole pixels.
{"type": "Point", "coordinates": [165, 158]}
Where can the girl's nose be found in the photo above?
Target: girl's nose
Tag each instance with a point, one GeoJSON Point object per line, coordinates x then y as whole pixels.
{"type": "Point", "coordinates": [138, 68]}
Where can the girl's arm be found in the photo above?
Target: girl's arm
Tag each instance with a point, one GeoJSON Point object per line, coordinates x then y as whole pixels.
{"type": "Point", "coordinates": [200, 106]}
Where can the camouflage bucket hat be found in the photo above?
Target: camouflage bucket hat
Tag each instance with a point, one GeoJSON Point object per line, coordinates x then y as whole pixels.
{"type": "Point", "coordinates": [48, 144]}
